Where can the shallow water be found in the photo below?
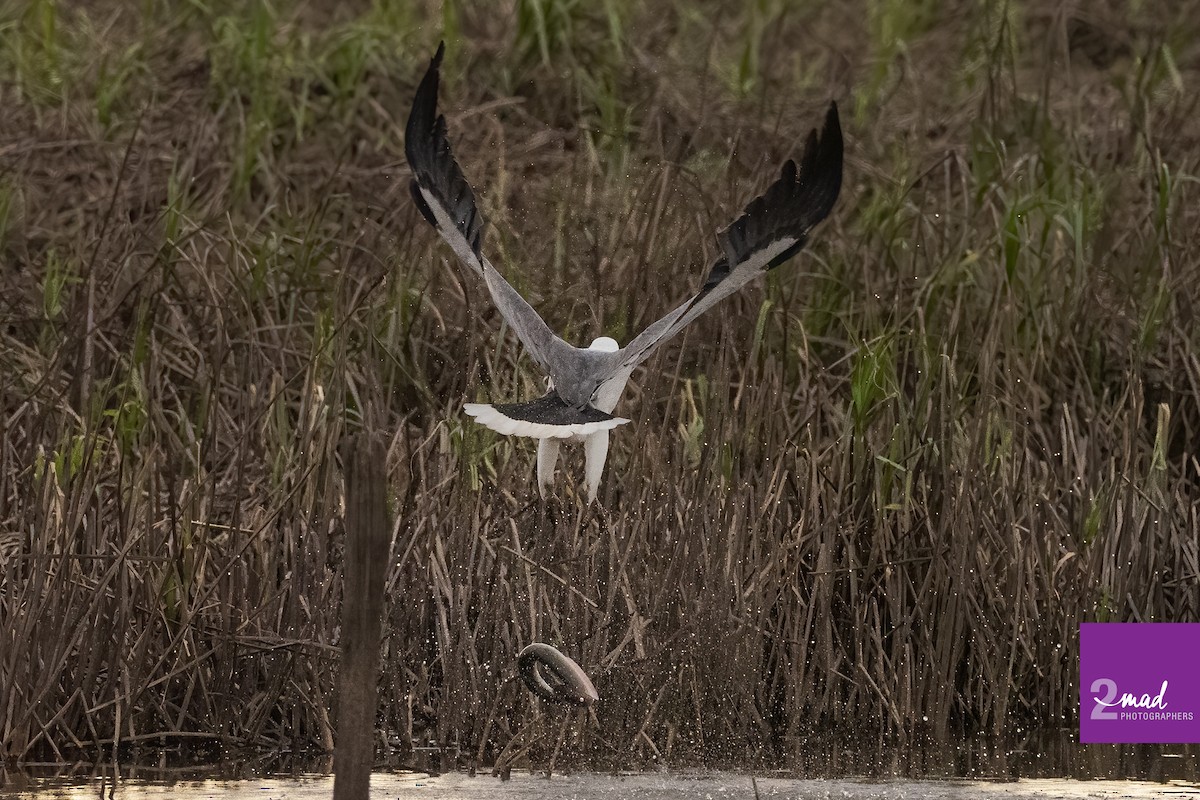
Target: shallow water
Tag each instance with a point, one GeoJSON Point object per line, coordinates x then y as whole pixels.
{"type": "Point", "coordinates": [1044, 766]}
{"type": "Point", "coordinates": [662, 786]}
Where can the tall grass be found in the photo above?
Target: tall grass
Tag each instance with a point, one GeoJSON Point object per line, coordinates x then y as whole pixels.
{"type": "Point", "coordinates": [878, 494]}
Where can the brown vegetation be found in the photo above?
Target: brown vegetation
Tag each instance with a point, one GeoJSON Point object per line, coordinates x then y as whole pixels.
{"type": "Point", "coordinates": [877, 494]}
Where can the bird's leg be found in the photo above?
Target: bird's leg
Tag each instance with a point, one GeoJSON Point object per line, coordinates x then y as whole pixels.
{"type": "Point", "coordinates": [595, 451]}
{"type": "Point", "coordinates": [547, 458]}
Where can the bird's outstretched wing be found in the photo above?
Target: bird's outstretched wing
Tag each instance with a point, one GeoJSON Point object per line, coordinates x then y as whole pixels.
{"type": "Point", "coordinates": [446, 201]}
{"type": "Point", "coordinates": [772, 229]}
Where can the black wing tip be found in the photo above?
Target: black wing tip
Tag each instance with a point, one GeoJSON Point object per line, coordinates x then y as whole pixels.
{"type": "Point", "coordinates": [820, 175]}
{"type": "Point", "coordinates": [422, 120]}
{"type": "Point", "coordinates": [433, 166]}
{"type": "Point", "coordinates": [798, 200]}
{"type": "Point", "coordinates": [423, 115]}
{"type": "Point", "coordinates": [788, 171]}
{"type": "Point", "coordinates": [435, 63]}
{"type": "Point", "coordinates": [832, 146]}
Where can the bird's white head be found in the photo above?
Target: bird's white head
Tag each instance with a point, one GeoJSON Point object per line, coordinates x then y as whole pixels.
{"type": "Point", "coordinates": [605, 344]}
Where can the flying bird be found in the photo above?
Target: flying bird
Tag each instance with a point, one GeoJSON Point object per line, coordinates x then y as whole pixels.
{"type": "Point", "coordinates": [586, 383]}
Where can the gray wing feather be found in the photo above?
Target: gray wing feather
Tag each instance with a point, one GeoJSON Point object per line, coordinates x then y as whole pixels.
{"type": "Point", "coordinates": [772, 229]}
{"type": "Point", "coordinates": [446, 201]}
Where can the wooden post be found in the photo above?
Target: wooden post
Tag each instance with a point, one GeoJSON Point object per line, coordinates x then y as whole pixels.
{"type": "Point", "coordinates": [368, 540]}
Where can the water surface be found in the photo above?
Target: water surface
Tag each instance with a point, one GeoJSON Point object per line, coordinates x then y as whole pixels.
{"type": "Point", "coordinates": [662, 786]}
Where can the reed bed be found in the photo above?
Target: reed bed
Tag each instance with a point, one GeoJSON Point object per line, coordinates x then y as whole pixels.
{"type": "Point", "coordinates": [875, 496]}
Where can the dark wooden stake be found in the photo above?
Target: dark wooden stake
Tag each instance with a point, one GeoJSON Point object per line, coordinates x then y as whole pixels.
{"type": "Point", "coordinates": [368, 540]}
